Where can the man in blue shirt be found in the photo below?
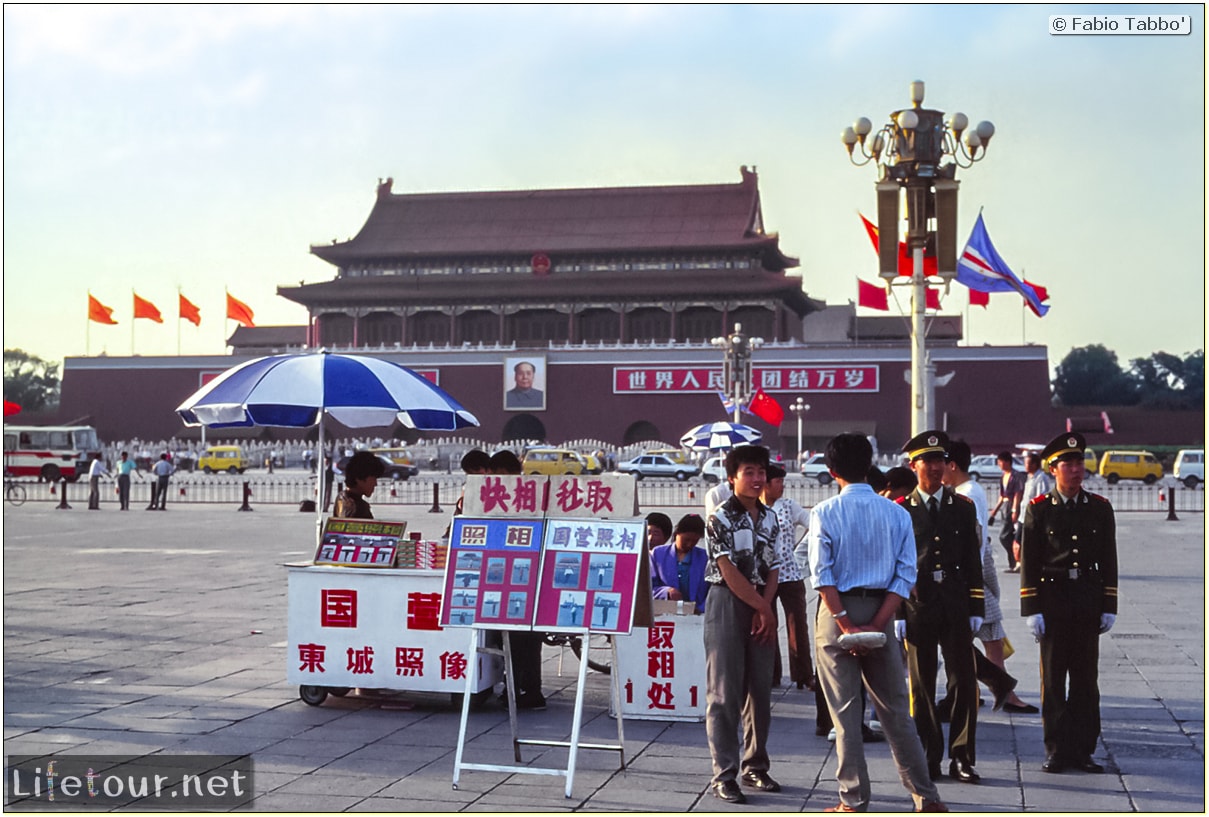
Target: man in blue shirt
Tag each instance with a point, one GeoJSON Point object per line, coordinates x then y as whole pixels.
{"type": "Point", "coordinates": [862, 563]}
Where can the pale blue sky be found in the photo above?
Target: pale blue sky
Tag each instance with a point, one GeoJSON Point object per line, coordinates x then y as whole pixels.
{"type": "Point", "coordinates": [208, 147]}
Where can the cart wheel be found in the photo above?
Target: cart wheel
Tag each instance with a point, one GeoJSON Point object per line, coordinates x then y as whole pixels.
{"type": "Point", "coordinates": [601, 643]}
{"type": "Point", "coordinates": [339, 692]}
{"type": "Point", "coordinates": [312, 695]}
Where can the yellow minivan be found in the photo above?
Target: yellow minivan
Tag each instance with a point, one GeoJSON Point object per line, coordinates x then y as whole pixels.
{"type": "Point", "coordinates": [553, 461]}
{"type": "Point", "coordinates": [1119, 465]}
{"type": "Point", "coordinates": [227, 458]}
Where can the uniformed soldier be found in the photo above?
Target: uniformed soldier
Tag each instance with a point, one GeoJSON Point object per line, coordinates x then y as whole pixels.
{"type": "Point", "coordinates": [1068, 591]}
{"type": "Point", "coordinates": [945, 608]}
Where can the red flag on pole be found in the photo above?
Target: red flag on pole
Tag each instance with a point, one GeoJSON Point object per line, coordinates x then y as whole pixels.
{"type": "Point", "coordinates": [189, 311]}
{"type": "Point", "coordinates": [905, 265]}
{"type": "Point", "coordinates": [932, 298]}
{"type": "Point", "coordinates": [239, 311]}
{"type": "Point", "coordinates": [145, 309]}
{"type": "Point", "coordinates": [766, 408]}
{"type": "Point", "coordinates": [98, 312]}
{"type": "Point", "coordinates": [871, 296]}
{"type": "Point", "coordinates": [977, 298]}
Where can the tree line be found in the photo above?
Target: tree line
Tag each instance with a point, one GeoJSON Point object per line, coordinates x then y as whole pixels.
{"type": "Point", "coordinates": [1091, 376]}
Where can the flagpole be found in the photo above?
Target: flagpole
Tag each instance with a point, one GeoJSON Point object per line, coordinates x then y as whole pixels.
{"type": "Point", "coordinates": [132, 316]}
{"type": "Point", "coordinates": [1023, 304]}
{"type": "Point", "coordinates": [179, 293]}
{"type": "Point", "coordinates": [88, 327]}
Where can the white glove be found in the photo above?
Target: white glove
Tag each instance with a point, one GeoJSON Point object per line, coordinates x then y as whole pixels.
{"type": "Point", "coordinates": [1106, 622]}
{"type": "Point", "coordinates": [900, 628]}
{"type": "Point", "coordinates": [975, 623]}
{"type": "Point", "coordinates": [1036, 625]}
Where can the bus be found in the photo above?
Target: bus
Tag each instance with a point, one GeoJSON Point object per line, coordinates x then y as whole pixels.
{"type": "Point", "coordinates": [49, 453]}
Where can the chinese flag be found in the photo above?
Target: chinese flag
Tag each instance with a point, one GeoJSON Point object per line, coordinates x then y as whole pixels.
{"type": "Point", "coordinates": [872, 296]}
{"type": "Point", "coordinates": [977, 298]}
{"type": "Point", "coordinates": [905, 264]}
{"type": "Point", "coordinates": [239, 311]}
{"type": "Point", "coordinates": [145, 309]}
{"type": "Point", "coordinates": [100, 313]}
{"type": "Point", "coordinates": [766, 408]}
{"type": "Point", "coordinates": [931, 298]}
{"type": "Point", "coordinates": [190, 312]}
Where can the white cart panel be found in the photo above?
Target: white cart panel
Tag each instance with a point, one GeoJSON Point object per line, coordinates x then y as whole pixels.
{"type": "Point", "coordinates": [663, 670]}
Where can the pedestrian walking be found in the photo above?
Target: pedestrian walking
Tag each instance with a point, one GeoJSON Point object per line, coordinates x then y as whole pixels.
{"type": "Point", "coordinates": [1068, 591]}
{"type": "Point", "coordinates": [791, 585]}
{"type": "Point", "coordinates": [1011, 489]}
{"type": "Point", "coordinates": [126, 467]}
{"type": "Point", "coordinates": [96, 470]}
{"type": "Point", "coordinates": [163, 470]}
{"type": "Point", "coordinates": [863, 565]}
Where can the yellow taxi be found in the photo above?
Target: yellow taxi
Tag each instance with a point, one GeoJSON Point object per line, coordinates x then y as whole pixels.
{"type": "Point", "coordinates": [553, 462]}
{"type": "Point", "coordinates": [1119, 465]}
{"type": "Point", "coordinates": [227, 458]}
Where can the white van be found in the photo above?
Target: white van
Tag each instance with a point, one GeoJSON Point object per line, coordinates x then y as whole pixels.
{"type": "Point", "coordinates": [1190, 466]}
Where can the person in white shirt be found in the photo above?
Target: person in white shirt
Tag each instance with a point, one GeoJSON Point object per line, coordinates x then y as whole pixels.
{"type": "Point", "coordinates": [1037, 483]}
{"type": "Point", "coordinates": [96, 470]}
{"type": "Point", "coordinates": [793, 522]}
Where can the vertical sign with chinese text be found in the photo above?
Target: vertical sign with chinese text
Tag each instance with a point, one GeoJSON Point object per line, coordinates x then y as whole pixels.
{"type": "Point", "coordinates": [589, 575]}
{"type": "Point", "coordinates": [491, 573]}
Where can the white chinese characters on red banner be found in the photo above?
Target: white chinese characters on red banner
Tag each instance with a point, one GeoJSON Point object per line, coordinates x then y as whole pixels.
{"type": "Point", "coordinates": [356, 629]}
{"type": "Point", "coordinates": [859, 378]}
{"type": "Point", "coordinates": [663, 670]}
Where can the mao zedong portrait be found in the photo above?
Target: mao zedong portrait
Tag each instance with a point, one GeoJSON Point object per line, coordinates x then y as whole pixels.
{"type": "Point", "coordinates": [523, 395]}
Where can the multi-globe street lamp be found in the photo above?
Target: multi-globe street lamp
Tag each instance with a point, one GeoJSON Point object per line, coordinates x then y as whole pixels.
{"type": "Point", "coordinates": [910, 151]}
{"type": "Point", "coordinates": [736, 365]}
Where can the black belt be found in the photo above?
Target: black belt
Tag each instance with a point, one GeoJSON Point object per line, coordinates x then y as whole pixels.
{"type": "Point", "coordinates": [865, 592]}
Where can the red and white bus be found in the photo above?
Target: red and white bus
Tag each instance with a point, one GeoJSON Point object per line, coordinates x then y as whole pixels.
{"type": "Point", "coordinates": [49, 452]}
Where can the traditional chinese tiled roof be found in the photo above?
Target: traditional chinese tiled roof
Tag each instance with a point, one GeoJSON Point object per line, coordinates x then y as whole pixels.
{"type": "Point", "coordinates": [611, 220]}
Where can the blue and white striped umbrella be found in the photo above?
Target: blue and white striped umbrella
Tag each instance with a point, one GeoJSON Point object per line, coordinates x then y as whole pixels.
{"type": "Point", "coordinates": [719, 436]}
{"type": "Point", "coordinates": [295, 391]}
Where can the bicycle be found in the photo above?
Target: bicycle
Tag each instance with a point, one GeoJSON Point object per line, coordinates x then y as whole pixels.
{"type": "Point", "coordinates": [598, 643]}
{"type": "Point", "coordinates": [14, 492]}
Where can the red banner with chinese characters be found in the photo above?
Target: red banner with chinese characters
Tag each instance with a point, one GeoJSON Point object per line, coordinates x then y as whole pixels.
{"type": "Point", "coordinates": [846, 378]}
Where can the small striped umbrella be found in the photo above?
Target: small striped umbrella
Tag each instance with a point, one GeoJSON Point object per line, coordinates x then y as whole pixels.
{"type": "Point", "coordinates": [719, 436]}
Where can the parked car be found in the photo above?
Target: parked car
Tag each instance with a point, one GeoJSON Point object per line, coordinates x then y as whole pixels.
{"type": "Point", "coordinates": [592, 463]}
{"type": "Point", "coordinates": [390, 468]}
{"type": "Point", "coordinates": [227, 458]}
{"type": "Point", "coordinates": [658, 465]}
{"type": "Point", "coordinates": [714, 470]}
{"type": "Point", "coordinates": [399, 456]}
{"type": "Point", "coordinates": [553, 461]}
{"type": "Point", "coordinates": [986, 466]}
{"type": "Point", "coordinates": [1118, 465]}
{"type": "Point", "coordinates": [816, 467]}
{"type": "Point", "coordinates": [1190, 466]}
{"type": "Point", "coordinates": [673, 454]}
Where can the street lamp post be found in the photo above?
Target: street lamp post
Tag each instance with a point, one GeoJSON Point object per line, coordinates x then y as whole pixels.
{"type": "Point", "coordinates": [909, 151]}
{"type": "Point", "coordinates": [799, 407]}
{"type": "Point", "coordinates": [736, 365]}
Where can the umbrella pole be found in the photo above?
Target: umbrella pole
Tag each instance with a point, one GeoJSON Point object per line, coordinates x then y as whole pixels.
{"type": "Point", "coordinates": [320, 503]}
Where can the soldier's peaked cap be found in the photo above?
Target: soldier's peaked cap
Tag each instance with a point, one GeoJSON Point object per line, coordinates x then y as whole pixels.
{"type": "Point", "coordinates": [1071, 442]}
{"type": "Point", "coordinates": [927, 442]}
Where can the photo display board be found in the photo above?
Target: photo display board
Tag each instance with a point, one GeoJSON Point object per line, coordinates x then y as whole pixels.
{"type": "Point", "coordinates": [359, 542]}
{"type": "Point", "coordinates": [491, 572]}
{"type": "Point", "coordinates": [589, 575]}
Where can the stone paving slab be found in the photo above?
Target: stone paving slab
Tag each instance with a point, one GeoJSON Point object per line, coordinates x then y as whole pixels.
{"type": "Point", "coordinates": [165, 634]}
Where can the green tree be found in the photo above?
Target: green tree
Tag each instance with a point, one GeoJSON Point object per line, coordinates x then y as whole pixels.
{"type": "Point", "coordinates": [29, 381]}
{"type": "Point", "coordinates": [1167, 380]}
{"type": "Point", "coordinates": [1091, 376]}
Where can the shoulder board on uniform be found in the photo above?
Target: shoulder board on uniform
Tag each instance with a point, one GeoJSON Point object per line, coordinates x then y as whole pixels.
{"type": "Point", "coordinates": [963, 498]}
{"type": "Point", "coordinates": [902, 500]}
{"type": "Point", "coordinates": [1097, 497]}
{"type": "Point", "coordinates": [1038, 499]}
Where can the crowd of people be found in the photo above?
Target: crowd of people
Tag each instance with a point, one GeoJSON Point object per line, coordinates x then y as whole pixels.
{"type": "Point", "coordinates": [903, 565]}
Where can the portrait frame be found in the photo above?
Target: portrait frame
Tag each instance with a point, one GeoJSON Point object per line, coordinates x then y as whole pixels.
{"type": "Point", "coordinates": [532, 399]}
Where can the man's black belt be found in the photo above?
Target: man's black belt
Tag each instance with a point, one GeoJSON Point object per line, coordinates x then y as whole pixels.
{"type": "Point", "coordinates": [865, 592]}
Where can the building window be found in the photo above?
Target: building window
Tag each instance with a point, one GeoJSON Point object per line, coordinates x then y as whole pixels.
{"type": "Point", "coordinates": [429, 327]}
{"type": "Point", "coordinates": [537, 326]}
{"type": "Point", "coordinates": [649, 324]}
{"type": "Point", "coordinates": [478, 326]}
{"type": "Point", "coordinates": [598, 325]}
{"type": "Point", "coordinates": [380, 329]}
{"type": "Point", "coordinates": [698, 323]}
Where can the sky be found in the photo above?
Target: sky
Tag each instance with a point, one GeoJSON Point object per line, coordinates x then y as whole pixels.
{"type": "Point", "coordinates": [204, 149]}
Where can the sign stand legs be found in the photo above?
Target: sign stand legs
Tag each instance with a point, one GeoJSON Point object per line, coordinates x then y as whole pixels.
{"type": "Point", "coordinates": [573, 745]}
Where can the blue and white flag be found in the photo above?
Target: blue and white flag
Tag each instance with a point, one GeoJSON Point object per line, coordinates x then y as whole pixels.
{"type": "Point", "coordinates": [982, 269]}
{"type": "Point", "coordinates": [728, 403]}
